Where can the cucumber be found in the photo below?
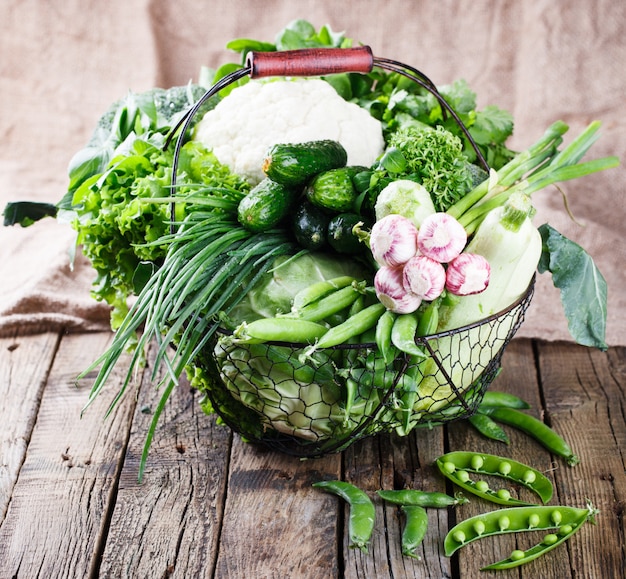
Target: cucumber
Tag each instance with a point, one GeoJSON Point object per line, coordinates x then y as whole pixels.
{"type": "Point", "coordinates": [297, 163]}
{"type": "Point", "coordinates": [310, 225]}
{"type": "Point", "coordinates": [333, 190]}
{"type": "Point", "coordinates": [265, 205]}
{"type": "Point", "coordinates": [340, 236]}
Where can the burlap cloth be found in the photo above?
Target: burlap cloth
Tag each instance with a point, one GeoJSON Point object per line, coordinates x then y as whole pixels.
{"type": "Point", "coordinates": [62, 62]}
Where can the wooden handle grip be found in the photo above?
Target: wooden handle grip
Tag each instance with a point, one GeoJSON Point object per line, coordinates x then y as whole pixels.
{"type": "Point", "coordinates": [310, 62]}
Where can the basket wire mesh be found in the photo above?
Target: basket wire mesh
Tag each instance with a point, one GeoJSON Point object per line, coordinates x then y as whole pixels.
{"type": "Point", "coordinates": [266, 394]}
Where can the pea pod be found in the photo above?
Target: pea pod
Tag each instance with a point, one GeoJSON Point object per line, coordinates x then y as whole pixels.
{"type": "Point", "coordinates": [415, 527]}
{"type": "Point", "coordinates": [351, 391]}
{"type": "Point", "coordinates": [426, 325]}
{"type": "Point", "coordinates": [418, 498]}
{"type": "Point", "coordinates": [488, 427]}
{"type": "Point", "coordinates": [353, 326]}
{"type": "Point", "coordinates": [280, 330]}
{"type": "Point", "coordinates": [516, 519]}
{"type": "Point", "coordinates": [403, 334]}
{"type": "Point", "coordinates": [457, 465]}
{"type": "Point", "coordinates": [550, 541]}
{"type": "Point", "coordinates": [320, 289]}
{"type": "Point", "coordinates": [383, 336]}
{"type": "Point", "coordinates": [330, 304]}
{"type": "Point", "coordinates": [495, 398]}
{"type": "Point", "coordinates": [534, 427]}
{"type": "Point", "coordinates": [362, 510]}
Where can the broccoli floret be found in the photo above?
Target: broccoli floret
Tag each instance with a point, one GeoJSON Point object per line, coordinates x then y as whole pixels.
{"type": "Point", "coordinates": [173, 100]}
{"type": "Point", "coordinates": [159, 108]}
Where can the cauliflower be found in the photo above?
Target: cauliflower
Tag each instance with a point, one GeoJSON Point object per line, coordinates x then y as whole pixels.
{"type": "Point", "coordinates": [259, 114]}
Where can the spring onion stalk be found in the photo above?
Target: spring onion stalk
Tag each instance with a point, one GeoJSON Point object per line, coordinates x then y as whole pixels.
{"type": "Point", "coordinates": [210, 264]}
{"type": "Point", "coordinates": [534, 169]}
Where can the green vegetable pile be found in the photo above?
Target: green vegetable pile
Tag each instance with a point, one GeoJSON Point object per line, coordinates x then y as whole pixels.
{"type": "Point", "coordinates": [290, 327]}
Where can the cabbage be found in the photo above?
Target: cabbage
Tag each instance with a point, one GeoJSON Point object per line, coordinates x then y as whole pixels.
{"type": "Point", "coordinates": [306, 400]}
{"type": "Point", "coordinates": [273, 293]}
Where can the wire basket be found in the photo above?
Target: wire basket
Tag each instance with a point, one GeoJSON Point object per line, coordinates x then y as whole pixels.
{"type": "Point", "coordinates": [266, 394]}
{"type": "Point", "coordinates": [270, 394]}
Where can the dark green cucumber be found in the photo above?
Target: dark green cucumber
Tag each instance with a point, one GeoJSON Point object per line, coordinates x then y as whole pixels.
{"type": "Point", "coordinates": [340, 236]}
{"type": "Point", "coordinates": [310, 226]}
{"type": "Point", "coordinates": [297, 163]}
{"type": "Point", "coordinates": [265, 205]}
{"type": "Point", "coordinates": [333, 190]}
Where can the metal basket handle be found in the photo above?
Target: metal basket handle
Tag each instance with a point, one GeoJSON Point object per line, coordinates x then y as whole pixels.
{"type": "Point", "coordinates": [312, 62]}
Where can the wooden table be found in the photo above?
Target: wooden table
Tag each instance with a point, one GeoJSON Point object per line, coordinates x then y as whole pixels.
{"type": "Point", "coordinates": [213, 506]}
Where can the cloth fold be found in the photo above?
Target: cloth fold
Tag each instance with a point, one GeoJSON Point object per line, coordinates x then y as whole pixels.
{"type": "Point", "coordinates": [62, 63]}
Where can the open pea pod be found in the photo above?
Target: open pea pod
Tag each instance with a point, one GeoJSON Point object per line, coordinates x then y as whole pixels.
{"type": "Point", "coordinates": [458, 467]}
{"type": "Point", "coordinates": [565, 520]}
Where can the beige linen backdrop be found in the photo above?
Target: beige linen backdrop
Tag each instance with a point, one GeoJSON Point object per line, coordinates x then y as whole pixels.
{"type": "Point", "coordinates": [62, 62]}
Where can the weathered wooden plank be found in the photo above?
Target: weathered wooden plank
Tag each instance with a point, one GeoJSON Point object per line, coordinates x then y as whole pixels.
{"type": "Point", "coordinates": [275, 524]}
{"type": "Point", "coordinates": [24, 365]}
{"type": "Point", "coordinates": [518, 377]}
{"type": "Point", "coordinates": [168, 525]}
{"type": "Point", "coordinates": [60, 503]}
{"type": "Point", "coordinates": [389, 462]}
{"type": "Point", "coordinates": [584, 391]}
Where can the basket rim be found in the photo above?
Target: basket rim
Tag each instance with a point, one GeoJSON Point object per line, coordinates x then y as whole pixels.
{"type": "Point", "coordinates": [423, 340]}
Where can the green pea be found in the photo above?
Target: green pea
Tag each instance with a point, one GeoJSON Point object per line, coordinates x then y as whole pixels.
{"type": "Point", "coordinates": [449, 467]}
{"type": "Point", "coordinates": [504, 522]}
{"type": "Point", "coordinates": [504, 494]}
{"type": "Point", "coordinates": [463, 476]}
{"type": "Point", "coordinates": [482, 486]}
{"type": "Point", "coordinates": [550, 539]}
{"type": "Point", "coordinates": [504, 468]}
{"type": "Point", "coordinates": [517, 555]}
{"type": "Point", "coordinates": [565, 530]}
{"type": "Point", "coordinates": [529, 476]}
{"type": "Point", "coordinates": [533, 520]}
{"type": "Point", "coordinates": [479, 527]}
{"type": "Point", "coordinates": [459, 536]}
{"type": "Point", "coordinates": [556, 517]}
{"type": "Point", "coordinates": [477, 462]}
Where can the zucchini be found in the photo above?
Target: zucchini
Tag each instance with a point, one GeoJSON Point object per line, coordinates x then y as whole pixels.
{"type": "Point", "coordinates": [310, 226]}
{"type": "Point", "coordinates": [265, 205]}
{"type": "Point", "coordinates": [297, 163]}
{"type": "Point", "coordinates": [340, 236]}
{"type": "Point", "coordinates": [333, 190]}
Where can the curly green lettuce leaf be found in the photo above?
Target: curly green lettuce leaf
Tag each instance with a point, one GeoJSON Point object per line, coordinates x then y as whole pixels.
{"type": "Point", "coordinates": [582, 286]}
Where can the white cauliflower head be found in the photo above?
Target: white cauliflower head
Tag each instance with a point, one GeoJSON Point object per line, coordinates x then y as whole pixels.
{"type": "Point", "coordinates": [259, 114]}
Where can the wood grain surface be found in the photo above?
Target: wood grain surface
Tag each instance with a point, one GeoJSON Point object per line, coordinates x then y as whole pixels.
{"type": "Point", "coordinates": [211, 505]}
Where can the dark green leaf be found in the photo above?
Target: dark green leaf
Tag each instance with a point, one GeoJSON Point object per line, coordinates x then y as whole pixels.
{"type": "Point", "coordinates": [25, 213]}
{"type": "Point", "coordinates": [225, 70]}
{"type": "Point", "coordinates": [341, 83]}
{"type": "Point", "coordinates": [86, 163]}
{"type": "Point", "coordinates": [492, 125]}
{"type": "Point", "coordinates": [143, 272]}
{"type": "Point", "coordinates": [393, 160]}
{"type": "Point", "coordinates": [246, 45]}
{"type": "Point", "coordinates": [582, 286]}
